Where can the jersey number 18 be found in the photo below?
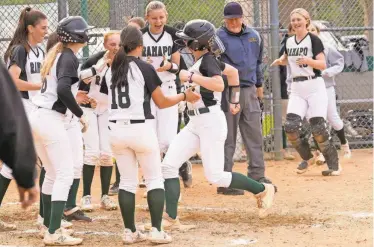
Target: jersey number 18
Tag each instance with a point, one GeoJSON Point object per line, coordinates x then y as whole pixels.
{"type": "Point", "coordinates": [123, 97]}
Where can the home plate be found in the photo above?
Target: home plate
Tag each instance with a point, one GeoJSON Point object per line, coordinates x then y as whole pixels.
{"type": "Point", "coordinates": [241, 241]}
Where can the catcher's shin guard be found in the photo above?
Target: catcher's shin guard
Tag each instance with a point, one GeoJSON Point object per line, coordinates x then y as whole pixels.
{"type": "Point", "coordinates": [293, 128]}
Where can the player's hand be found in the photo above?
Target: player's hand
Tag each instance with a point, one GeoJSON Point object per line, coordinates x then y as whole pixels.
{"type": "Point", "coordinates": [260, 93]}
{"type": "Point", "coordinates": [165, 65]}
{"type": "Point", "coordinates": [234, 108]}
{"type": "Point", "coordinates": [276, 62]}
{"type": "Point", "coordinates": [28, 196]}
{"type": "Point", "coordinates": [303, 60]}
{"type": "Point", "coordinates": [191, 96]}
{"type": "Point", "coordinates": [184, 75]}
{"type": "Point", "coordinates": [82, 97]}
{"type": "Point", "coordinates": [93, 103]}
{"type": "Point", "coordinates": [83, 120]}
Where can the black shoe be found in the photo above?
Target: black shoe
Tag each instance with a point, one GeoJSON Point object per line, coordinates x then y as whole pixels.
{"type": "Point", "coordinates": [195, 159]}
{"type": "Point", "coordinates": [185, 172]}
{"type": "Point", "coordinates": [77, 215]}
{"type": "Point", "coordinates": [265, 180]}
{"type": "Point", "coordinates": [229, 191]}
{"type": "Point", "coordinates": [114, 189]}
{"type": "Point", "coordinates": [302, 167]}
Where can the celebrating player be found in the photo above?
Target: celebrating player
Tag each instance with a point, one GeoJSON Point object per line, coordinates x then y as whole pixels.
{"type": "Point", "coordinates": [96, 139]}
{"type": "Point", "coordinates": [207, 128]}
{"type": "Point", "coordinates": [304, 52]}
{"type": "Point", "coordinates": [133, 138]}
{"type": "Point", "coordinates": [24, 58]}
{"type": "Point", "coordinates": [59, 72]}
{"type": "Point", "coordinates": [335, 65]}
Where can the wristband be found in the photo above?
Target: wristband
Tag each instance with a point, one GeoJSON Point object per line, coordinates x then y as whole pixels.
{"type": "Point", "coordinates": [174, 68]}
{"type": "Point", "coordinates": [190, 77]}
{"type": "Point", "coordinates": [184, 96]}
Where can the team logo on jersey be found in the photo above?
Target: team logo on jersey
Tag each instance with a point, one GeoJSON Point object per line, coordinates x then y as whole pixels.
{"type": "Point", "coordinates": [35, 67]}
{"type": "Point", "coordinates": [300, 51]}
{"type": "Point", "coordinates": [156, 51]}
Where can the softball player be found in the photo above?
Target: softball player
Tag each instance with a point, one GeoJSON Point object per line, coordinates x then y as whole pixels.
{"type": "Point", "coordinates": [304, 52]}
{"type": "Point", "coordinates": [96, 139]}
{"type": "Point", "coordinates": [207, 128]}
{"type": "Point", "coordinates": [133, 138]}
{"type": "Point", "coordinates": [24, 58]}
{"type": "Point", "coordinates": [59, 72]}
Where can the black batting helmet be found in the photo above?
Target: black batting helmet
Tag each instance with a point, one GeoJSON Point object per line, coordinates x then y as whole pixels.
{"type": "Point", "coordinates": [73, 29]}
{"type": "Point", "coordinates": [200, 35]}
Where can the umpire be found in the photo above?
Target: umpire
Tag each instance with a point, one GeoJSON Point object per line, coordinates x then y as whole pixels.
{"type": "Point", "coordinates": [244, 49]}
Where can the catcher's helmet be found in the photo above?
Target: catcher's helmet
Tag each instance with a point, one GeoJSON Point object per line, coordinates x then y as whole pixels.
{"type": "Point", "coordinates": [73, 29]}
{"type": "Point", "coordinates": [200, 35]}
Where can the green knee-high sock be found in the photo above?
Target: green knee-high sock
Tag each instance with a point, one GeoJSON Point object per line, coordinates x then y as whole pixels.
{"type": "Point", "coordinates": [105, 174]}
{"type": "Point", "coordinates": [239, 181]}
{"type": "Point", "coordinates": [117, 174]}
{"type": "Point", "coordinates": [47, 204]}
{"type": "Point", "coordinates": [4, 184]}
{"type": "Point", "coordinates": [72, 198]}
{"type": "Point", "coordinates": [57, 210]}
{"type": "Point", "coordinates": [172, 193]}
{"type": "Point", "coordinates": [156, 200]}
{"type": "Point", "coordinates": [88, 173]}
{"type": "Point", "coordinates": [41, 180]}
{"type": "Point", "coordinates": [126, 202]}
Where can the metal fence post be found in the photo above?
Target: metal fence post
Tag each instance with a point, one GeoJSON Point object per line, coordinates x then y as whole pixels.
{"type": "Point", "coordinates": [112, 14]}
{"type": "Point", "coordinates": [62, 9]}
{"type": "Point", "coordinates": [141, 8]}
{"type": "Point", "coordinates": [84, 13]}
{"type": "Point", "coordinates": [274, 75]}
{"type": "Point", "coordinates": [256, 13]}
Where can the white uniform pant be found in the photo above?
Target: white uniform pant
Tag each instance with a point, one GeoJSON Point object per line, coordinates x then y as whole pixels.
{"type": "Point", "coordinates": [53, 147]}
{"type": "Point", "coordinates": [332, 112]}
{"type": "Point", "coordinates": [29, 108]}
{"type": "Point", "coordinates": [73, 129]}
{"type": "Point", "coordinates": [207, 133]}
{"type": "Point", "coordinates": [308, 98]}
{"type": "Point", "coordinates": [166, 123]}
{"type": "Point", "coordinates": [136, 142]}
{"type": "Point", "coordinates": [96, 139]}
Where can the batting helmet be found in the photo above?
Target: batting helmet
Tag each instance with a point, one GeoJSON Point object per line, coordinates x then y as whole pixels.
{"type": "Point", "coordinates": [73, 29]}
{"type": "Point", "coordinates": [200, 35]}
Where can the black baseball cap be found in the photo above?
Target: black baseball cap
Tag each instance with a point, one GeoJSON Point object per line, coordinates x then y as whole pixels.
{"type": "Point", "coordinates": [233, 10]}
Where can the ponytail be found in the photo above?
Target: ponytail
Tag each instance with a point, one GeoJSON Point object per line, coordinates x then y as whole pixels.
{"type": "Point", "coordinates": [120, 68]}
{"type": "Point", "coordinates": [28, 17]}
{"type": "Point", "coordinates": [50, 59]}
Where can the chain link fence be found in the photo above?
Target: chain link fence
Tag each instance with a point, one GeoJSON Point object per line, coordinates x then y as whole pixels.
{"type": "Point", "coordinates": [346, 24]}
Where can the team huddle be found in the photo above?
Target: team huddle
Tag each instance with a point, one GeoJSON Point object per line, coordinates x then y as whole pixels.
{"type": "Point", "coordinates": [120, 107]}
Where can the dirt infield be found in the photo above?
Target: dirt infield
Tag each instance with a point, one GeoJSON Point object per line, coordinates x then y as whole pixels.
{"type": "Point", "coordinates": [310, 210]}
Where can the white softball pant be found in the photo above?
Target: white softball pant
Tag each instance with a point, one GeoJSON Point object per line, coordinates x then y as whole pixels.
{"type": "Point", "coordinates": [73, 129]}
{"type": "Point", "coordinates": [136, 142]}
{"type": "Point", "coordinates": [29, 108]}
{"type": "Point", "coordinates": [308, 97]}
{"type": "Point", "coordinates": [332, 112]}
{"type": "Point", "coordinates": [96, 139]}
{"type": "Point", "coordinates": [166, 123]}
{"type": "Point", "coordinates": [205, 133]}
{"type": "Point", "coordinates": [53, 147]}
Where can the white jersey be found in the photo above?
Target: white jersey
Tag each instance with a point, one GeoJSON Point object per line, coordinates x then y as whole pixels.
{"type": "Point", "coordinates": [29, 63]}
{"type": "Point", "coordinates": [132, 101]}
{"type": "Point", "coordinates": [309, 46]}
{"type": "Point", "coordinates": [65, 65]}
{"type": "Point", "coordinates": [156, 47]}
{"type": "Point", "coordinates": [207, 66]}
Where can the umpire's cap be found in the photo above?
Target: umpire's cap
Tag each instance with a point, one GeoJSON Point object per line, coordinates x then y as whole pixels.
{"type": "Point", "coordinates": [73, 29]}
{"type": "Point", "coordinates": [200, 35]}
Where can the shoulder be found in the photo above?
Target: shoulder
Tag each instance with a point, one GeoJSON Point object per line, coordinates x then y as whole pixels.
{"type": "Point", "coordinates": [170, 29]}
{"type": "Point", "coordinates": [144, 66]}
{"type": "Point", "coordinates": [93, 59]}
{"type": "Point", "coordinates": [221, 32]}
{"type": "Point", "coordinates": [210, 62]}
{"type": "Point", "coordinates": [68, 58]}
{"type": "Point", "coordinates": [144, 29]}
{"type": "Point", "coordinates": [19, 50]}
{"type": "Point", "coordinates": [314, 38]}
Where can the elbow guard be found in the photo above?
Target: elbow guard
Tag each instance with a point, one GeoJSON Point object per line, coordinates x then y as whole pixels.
{"type": "Point", "coordinates": [234, 94]}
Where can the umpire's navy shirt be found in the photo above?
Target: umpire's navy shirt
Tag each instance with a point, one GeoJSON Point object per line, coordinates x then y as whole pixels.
{"type": "Point", "coordinates": [244, 52]}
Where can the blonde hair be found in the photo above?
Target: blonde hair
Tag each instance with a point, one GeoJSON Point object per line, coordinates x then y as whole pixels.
{"type": "Point", "coordinates": [110, 33]}
{"type": "Point", "coordinates": [290, 29]}
{"type": "Point", "coordinates": [50, 59]}
{"type": "Point", "coordinates": [303, 13]}
{"type": "Point", "coordinates": [316, 26]}
{"type": "Point", "coordinates": [153, 5]}
{"type": "Point", "coordinates": [138, 20]}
